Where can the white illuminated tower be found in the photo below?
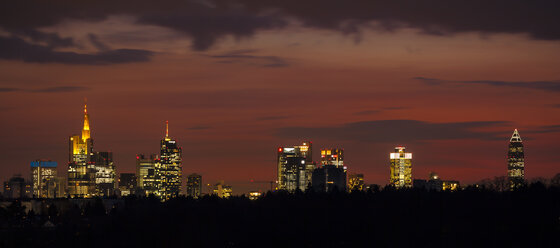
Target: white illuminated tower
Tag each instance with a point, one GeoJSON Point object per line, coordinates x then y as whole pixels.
{"type": "Point", "coordinates": [516, 161]}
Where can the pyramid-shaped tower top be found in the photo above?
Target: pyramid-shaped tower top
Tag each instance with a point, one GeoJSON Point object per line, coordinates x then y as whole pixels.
{"type": "Point", "coordinates": [515, 137]}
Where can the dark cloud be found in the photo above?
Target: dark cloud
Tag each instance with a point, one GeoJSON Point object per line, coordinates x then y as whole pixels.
{"type": "Point", "coordinates": [9, 89]}
{"type": "Point", "coordinates": [98, 44]}
{"type": "Point", "coordinates": [52, 40]}
{"type": "Point", "coordinates": [546, 129]}
{"type": "Point", "coordinates": [368, 112]}
{"type": "Point", "coordinates": [208, 21]}
{"type": "Point", "coordinates": [537, 85]}
{"type": "Point", "coordinates": [555, 105]}
{"type": "Point", "coordinates": [245, 57]}
{"type": "Point", "coordinates": [199, 128]}
{"type": "Point", "coordinates": [376, 111]}
{"type": "Point", "coordinates": [272, 117]}
{"type": "Point", "coordinates": [17, 49]}
{"type": "Point", "coordinates": [59, 89]}
{"type": "Point", "coordinates": [538, 18]}
{"type": "Point", "coordinates": [397, 131]}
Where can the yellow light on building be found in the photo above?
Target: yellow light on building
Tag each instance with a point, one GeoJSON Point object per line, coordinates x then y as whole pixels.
{"type": "Point", "coordinates": [401, 168]}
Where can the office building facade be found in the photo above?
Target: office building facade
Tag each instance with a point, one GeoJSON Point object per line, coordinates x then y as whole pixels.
{"type": "Point", "coordinates": [295, 167]}
{"type": "Point", "coordinates": [516, 161]}
{"type": "Point", "coordinates": [43, 172]}
{"type": "Point", "coordinates": [400, 168]}
{"type": "Point", "coordinates": [168, 168]}
{"type": "Point", "coordinates": [194, 185]}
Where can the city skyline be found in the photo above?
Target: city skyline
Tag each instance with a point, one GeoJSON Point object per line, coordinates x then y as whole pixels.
{"type": "Point", "coordinates": [300, 154]}
{"type": "Point", "coordinates": [447, 80]}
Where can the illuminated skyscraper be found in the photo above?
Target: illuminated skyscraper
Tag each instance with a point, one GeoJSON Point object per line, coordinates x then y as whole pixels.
{"type": "Point", "coordinates": [104, 173]}
{"type": "Point", "coordinates": [516, 161]}
{"type": "Point", "coordinates": [81, 171]}
{"type": "Point", "coordinates": [168, 168]}
{"type": "Point", "coordinates": [42, 173]}
{"type": "Point", "coordinates": [355, 182]}
{"type": "Point", "coordinates": [145, 174]}
{"type": "Point", "coordinates": [194, 185]}
{"type": "Point", "coordinates": [333, 157]}
{"type": "Point", "coordinates": [295, 167]}
{"type": "Point", "coordinates": [401, 168]}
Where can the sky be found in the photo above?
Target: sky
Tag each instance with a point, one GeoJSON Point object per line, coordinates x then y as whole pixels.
{"type": "Point", "coordinates": [237, 79]}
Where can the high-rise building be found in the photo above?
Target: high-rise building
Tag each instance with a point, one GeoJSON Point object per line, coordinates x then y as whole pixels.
{"type": "Point", "coordinates": [127, 183]}
{"type": "Point", "coordinates": [295, 167]}
{"type": "Point", "coordinates": [42, 173]}
{"type": "Point", "coordinates": [104, 173]}
{"type": "Point", "coordinates": [516, 161]}
{"type": "Point", "coordinates": [355, 182]}
{"type": "Point", "coordinates": [145, 174]}
{"type": "Point", "coordinates": [328, 177]}
{"type": "Point", "coordinates": [81, 171]}
{"type": "Point", "coordinates": [401, 168]}
{"type": "Point", "coordinates": [194, 185]}
{"type": "Point", "coordinates": [17, 188]}
{"type": "Point", "coordinates": [168, 168]}
{"type": "Point", "coordinates": [57, 187]}
{"type": "Point", "coordinates": [222, 190]}
{"type": "Point", "coordinates": [333, 157]}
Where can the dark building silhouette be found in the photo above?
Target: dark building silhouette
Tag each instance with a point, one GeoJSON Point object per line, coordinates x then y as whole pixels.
{"type": "Point", "coordinates": [127, 183]}
{"type": "Point", "coordinates": [329, 177]}
{"type": "Point", "coordinates": [516, 161]}
{"type": "Point", "coordinates": [434, 183]}
{"type": "Point", "coordinates": [17, 188]}
{"type": "Point", "coordinates": [194, 185]}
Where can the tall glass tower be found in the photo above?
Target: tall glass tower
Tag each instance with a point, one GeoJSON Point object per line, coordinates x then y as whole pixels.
{"type": "Point", "coordinates": [81, 170]}
{"type": "Point", "coordinates": [516, 161]}
{"type": "Point", "coordinates": [168, 168]}
{"type": "Point", "coordinates": [295, 167]}
{"type": "Point", "coordinates": [401, 168]}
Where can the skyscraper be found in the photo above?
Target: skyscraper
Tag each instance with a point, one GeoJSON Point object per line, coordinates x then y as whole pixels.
{"type": "Point", "coordinates": [194, 185]}
{"type": "Point", "coordinates": [127, 183]}
{"type": "Point", "coordinates": [145, 174]}
{"type": "Point", "coordinates": [516, 161]}
{"type": "Point", "coordinates": [42, 173]}
{"type": "Point", "coordinates": [333, 157]}
{"type": "Point", "coordinates": [295, 167]}
{"type": "Point", "coordinates": [168, 168]}
{"type": "Point", "coordinates": [104, 173]}
{"type": "Point", "coordinates": [81, 172]}
{"type": "Point", "coordinates": [401, 168]}
{"type": "Point", "coordinates": [328, 177]}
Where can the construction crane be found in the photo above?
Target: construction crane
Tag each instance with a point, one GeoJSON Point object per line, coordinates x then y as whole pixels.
{"type": "Point", "coordinates": [271, 183]}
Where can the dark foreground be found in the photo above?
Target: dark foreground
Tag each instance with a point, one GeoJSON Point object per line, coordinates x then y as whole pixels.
{"type": "Point", "coordinates": [389, 218]}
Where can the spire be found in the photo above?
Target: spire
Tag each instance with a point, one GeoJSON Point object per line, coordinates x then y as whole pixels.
{"type": "Point", "coordinates": [515, 137]}
{"type": "Point", "coordinates": [85, 130]}
{"type": "Point", "coordinates": [166, 129]}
